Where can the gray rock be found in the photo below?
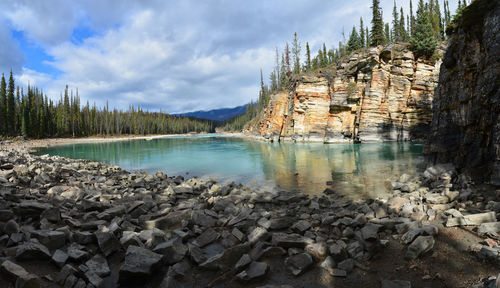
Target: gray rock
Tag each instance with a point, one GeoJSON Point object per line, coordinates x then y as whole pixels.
{"type": "Point", "coordinates": [207, 237]}
{"type": "Point", "coordinates": [472, 219]}
{"type": "Point", "coordinates": [76, 253]}
{"type": "Point", "coordinates": [28, 281]}
{"type": "Point", "coordinates": [298, 263]}
{"type": "Point", "coordinates": [226, 259]}
{"type": "Point", "coordinates": [32, 250]}
{"type": "Point", "coordinates": [31, 208]}
{"type": "Point", "coordinates": [108, 243]}
{"type": "Point", "coordinates": [430, 230]}
{"type": "Point", "coordinates": [173, 250]}
{"type": "Point", "coordinates": [258, 234]}
{"type": "Point", "coordinates": [329, 265]}
{"type": "Point", "coordinates": [346, 265]}
{"type": "Point", "coordinates": [60, 258]}
{"type": "Point", "coordinates": [94, 279]}
{"type": "Point", "coordinates": [99, 265]}
{"type": "Point", "coordinates": [52, 214]}
{"type": "Point", "coordinates": [435, 198]}
{"type": "Point", "coordinates": [170, 221]}
{"type": "Point", "coordinates": [337, 250]}
{"type": "Point", "coordinates": [370, 231]}
{"type": "Point", "coordinates": [12, 270]}
{"type": "Point", "coordinates": [243, 262]}
{"type": "Point", "coordinates": [301, 226]}
{"type": "Point", "coordinates": [290, 240]}
{"type": "Point", "coordinates": [201, 219]}
{"type": "Point", "coordinates": [83, 237]}
{"type": "Point", "coordinates": [409, 236]}
{"type": "Point", "coordinates": [11, 227]}
{"type": "Point", "coordinates": [318, 250]}
{"type": "Point", "coordinates": [491, 227]}
{"type": "Point", "coordinates": [51, 239]}
{"type": "Point", "coordinates": [395, 284]}
{"type": "Point", "coordinates": [420, 246]}
{"type": "Point", "coordinates": [254, 271]}
{"type": "Point", "coordinates": [139, 263]}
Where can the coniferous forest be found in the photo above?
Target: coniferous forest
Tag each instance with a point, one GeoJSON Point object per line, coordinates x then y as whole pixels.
{"type": "Point", "coordinates": [32, 114]}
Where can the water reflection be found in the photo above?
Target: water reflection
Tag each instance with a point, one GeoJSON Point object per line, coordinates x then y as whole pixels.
{"type": "Point", "coordinates": [358, 170]}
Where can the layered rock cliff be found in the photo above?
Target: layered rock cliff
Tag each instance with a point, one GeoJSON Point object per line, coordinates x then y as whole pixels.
{"type": "Point", "coordinates": [466, 106]}
{"type": "Point", "coordinates": [380, 94]}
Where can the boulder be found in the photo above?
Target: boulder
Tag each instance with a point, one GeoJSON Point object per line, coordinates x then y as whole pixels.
{"type": "Point", "coordinates": [98, 265]}
{"type": "Point", "coordinates": [139, 264]}
{"type": "Point", "coordinates": [173, 250]}
{"type": "Point", "coordinates": [420, 246]}
{"type": "Point", "coordinates": [108, 243]}
{"type": "Point", "coordinates": [255, 270]}
{"type": "Point", "coordinates": [226, 259]}
{"type": "Point", "coordinates": [32, 250]}
{"type": "Point", "coordinates": [51, 239]}
{"type": "Point", "coordinates": [298, 263]}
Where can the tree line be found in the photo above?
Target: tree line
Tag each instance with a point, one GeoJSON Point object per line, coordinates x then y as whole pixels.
{"type": "Point", "coordinates": [33, 114]}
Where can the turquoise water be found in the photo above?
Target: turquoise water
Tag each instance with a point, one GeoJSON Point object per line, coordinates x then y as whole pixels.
{"type": "Point", "coordinates": [359, 170]}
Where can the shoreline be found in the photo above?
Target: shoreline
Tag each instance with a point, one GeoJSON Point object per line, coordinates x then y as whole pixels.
{"type": "Point", "coordinates": [155, 215]}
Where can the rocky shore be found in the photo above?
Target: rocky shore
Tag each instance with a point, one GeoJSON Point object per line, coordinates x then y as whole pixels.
{"type": "Point", "coordinates": [78, 223]}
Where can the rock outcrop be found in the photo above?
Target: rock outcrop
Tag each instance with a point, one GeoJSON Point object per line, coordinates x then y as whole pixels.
{"type": "Point", "coordinates": [378, 94]}
{"type": "Point", "coordinates": [466, 106]}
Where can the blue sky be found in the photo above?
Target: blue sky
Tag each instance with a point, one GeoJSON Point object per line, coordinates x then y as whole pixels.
{"type": "Point", "coordinates": [176, 56]}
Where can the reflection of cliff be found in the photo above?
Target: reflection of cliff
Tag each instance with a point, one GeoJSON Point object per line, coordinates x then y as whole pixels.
{"type": "Point", "coordinates": [379, 94]}
{"type": "Point", "coordinates": [360, 168]}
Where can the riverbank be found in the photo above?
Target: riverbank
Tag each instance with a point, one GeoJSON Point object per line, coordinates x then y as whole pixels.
{"type": "Point", "coordinates": [94, 223]}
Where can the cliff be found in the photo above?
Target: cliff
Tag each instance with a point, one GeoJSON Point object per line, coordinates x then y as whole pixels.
{"type": "Point", "coordinates": [466, 106]}
{"type": "Point", "coordinates": [378, 94]}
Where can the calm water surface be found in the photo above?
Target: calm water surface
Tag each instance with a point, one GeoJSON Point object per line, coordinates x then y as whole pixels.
{"type": "Point", "coordinates": [358, 170]}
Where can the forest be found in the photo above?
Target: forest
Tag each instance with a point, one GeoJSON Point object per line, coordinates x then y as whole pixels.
{"type": "Point", "coordinates": [32, 114]}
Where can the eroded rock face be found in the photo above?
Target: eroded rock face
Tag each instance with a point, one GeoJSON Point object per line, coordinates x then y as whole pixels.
{"type": "Point", "coordinates": [466, 106]}
{"type": "Point", "coordinates": [381, 94]}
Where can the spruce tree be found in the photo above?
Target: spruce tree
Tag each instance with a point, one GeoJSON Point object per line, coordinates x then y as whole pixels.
{"type": "Point", "coordinates": [11, 107]}
{"type": "Point", "coordinates": [362, 32]}
{"type": "Point", "coordinates": [308, 58]}
{"type": "Point", "coordinates": [354, 42]}
{"type": "Point", "coordinates": [412, 20]}
{"type": "Point", "coordinates": [395, 24]}
{"type": "Point", "coordinates": [377, 32]}
{"type": "Point", "coordinates": [283, 71]}
{"type": "Point", "coordinates": [325, 55]}
{"type": "Point", "coordinates": [402, 28]}
{"type": "Point", "coordinates": [422, 42]}
{"type": "Point", "coordinates": [296, 54]}
{"type": "Point", "coordinates": [3, 107]}
{"type": "Point", "coordinates": [368, 38]}
{"type": "Point", "coordinates": [278, 68]}
{"type": "Point", "coordinates": [387, 32]}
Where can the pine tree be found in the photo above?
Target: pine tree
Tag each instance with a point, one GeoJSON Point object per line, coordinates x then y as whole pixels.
{"type": "Point", "coordinates": [283, 71]}
{"type": "Point", "coordinates": [362, 32]}
{"type": "Point", "coordinates": [11, 107]}
{"type": "Point", "coordinates": [377, 32]}
{"type": "Point", "coordinates": [3, 107]}
{"type": "Point", "coordinates": [287, 60]}
{"type": "Point", "coordinates": [395, 24]}
{"type": "Point", "coordinates": [402, 28]}
{"type": "Point", "coordinates": [422, 42]}
{"type": "Point", "coordinates": [354, 42]}
{"type": "Point", "coordinates": [325, 55]}
{"type": "Point", "coordinates": [308, 58]}
{"type": "Point", "coordinates": [368, 38]}
{"type": "Point", "coordinates": [278, 68]}
{"type": "Point", "coordinates": [296, 54]}
{"type": "Point", "coordinates": [387, 32]}
{"type": "Point", "coordinates": [435, 18]}
{"type": "Point", "coordinates": [412, 20]}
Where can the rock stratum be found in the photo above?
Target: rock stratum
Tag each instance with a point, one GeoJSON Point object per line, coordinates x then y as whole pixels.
{"type": "Point", "coordinates": [466, 106]}
{"type": "Point", "coordinates": [377, 94]}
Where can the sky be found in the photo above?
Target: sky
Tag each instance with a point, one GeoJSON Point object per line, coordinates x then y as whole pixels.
{"type": "Point", "coordinates": [173, 56]}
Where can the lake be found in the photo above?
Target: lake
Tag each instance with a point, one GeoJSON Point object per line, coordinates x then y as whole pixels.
{"type": "Point", "coordinates": [356, 170]}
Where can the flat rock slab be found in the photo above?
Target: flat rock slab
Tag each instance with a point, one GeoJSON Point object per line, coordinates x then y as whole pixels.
{"type": "Point", "coordinates": [254, 271]}
{"type": "Point", "coordinates": [173, 250]}
{"type": "Point", "coordinates": [139, 263]}
{"type": "Point", "coordinates": [435, 198]}
{"type": "Point", "coordinates": [491, 227]}
{"type": "Point", "coordinates": [19, 275]}
{"type": "Point", "coordinates": [99, 265]}
{"type": "Point", "coordinates": [207, 237]}
{"type": "Point", "coordinates": [290, 240]}
{"type": "Point", "coordinates": [472, 219]}
{"type": "Point", "coordinates": [32, 250]}
{"type": "Point", "coordinates": [226, 259]}
{"type": "Point", "coordinates": [51, 239]}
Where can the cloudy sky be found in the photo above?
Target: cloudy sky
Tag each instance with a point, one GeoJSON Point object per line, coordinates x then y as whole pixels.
{"type": "Point", "coordinates": [176, 56]}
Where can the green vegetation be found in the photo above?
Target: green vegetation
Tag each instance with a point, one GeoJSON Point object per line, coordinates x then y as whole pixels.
{"type": "Point", "coordinates": [34, 115]}
{"type": "Point", "coordinates": [423, 41]}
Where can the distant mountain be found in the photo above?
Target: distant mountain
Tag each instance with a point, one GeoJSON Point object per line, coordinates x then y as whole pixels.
{"type": "Point", "coordinates": [217, 114]}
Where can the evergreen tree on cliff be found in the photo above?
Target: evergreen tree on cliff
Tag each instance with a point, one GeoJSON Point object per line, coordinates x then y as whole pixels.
{"type": "Point", "coordinates": [395, 24]}
{"type": "Point", "coordinates": [354, 42]}
{"type": "Point", "coordinates": [308, 58]}
{"type": "Point", "coordinates": [362, 32]}
{"type": "Point", "coordinates": [377, 32]}
{"type": "Point", "coordinates": [422, 42]}
{"type": "Point", "coordinates": [11, 107]}
{"type": "Point", "coordinates": [296, 54]}
{"type": "Point", "coordinates": [3, 106]}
